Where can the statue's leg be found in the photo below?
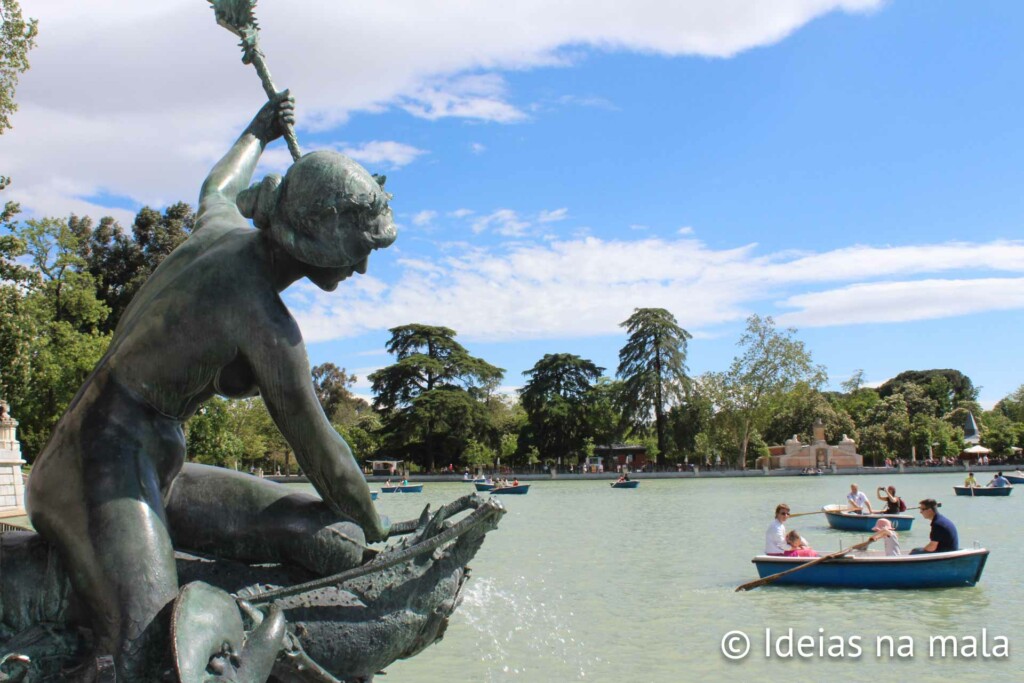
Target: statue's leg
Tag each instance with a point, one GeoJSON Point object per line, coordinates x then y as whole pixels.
{"type": "Point", "coordinates": [237, 516]}
{"type": "Point", "coordinates": [95, 493]}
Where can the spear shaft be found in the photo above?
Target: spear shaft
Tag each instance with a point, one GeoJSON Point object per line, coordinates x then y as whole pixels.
{"type": "Point", "coordinates": [238, 16]}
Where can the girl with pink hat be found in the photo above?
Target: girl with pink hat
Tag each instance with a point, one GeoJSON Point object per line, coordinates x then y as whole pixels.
{"type": "Point", "coordinates": [892, 539]}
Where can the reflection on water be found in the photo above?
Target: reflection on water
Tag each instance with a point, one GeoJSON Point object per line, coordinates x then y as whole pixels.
{"type": "Point", "coordinates": [582, 582]}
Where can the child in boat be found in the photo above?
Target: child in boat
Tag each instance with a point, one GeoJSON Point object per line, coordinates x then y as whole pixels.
{"type": "Point", "coordinates": [798, 546]}
{"type": "Point", "coordinates": [884, 530]}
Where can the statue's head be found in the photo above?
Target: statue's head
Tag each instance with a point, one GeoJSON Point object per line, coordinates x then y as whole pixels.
{"type": "Point", "coordinates": [327, 212]}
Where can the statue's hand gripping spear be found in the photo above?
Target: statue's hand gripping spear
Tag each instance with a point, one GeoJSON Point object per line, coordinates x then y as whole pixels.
{"type": "Point", "coordinates": [238, 16]}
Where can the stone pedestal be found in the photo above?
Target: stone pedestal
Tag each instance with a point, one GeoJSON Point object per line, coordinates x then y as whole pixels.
{"type": "Point", "coordinates": [818, 454]}
{"type": "Point", "coordinates": [12, 485]}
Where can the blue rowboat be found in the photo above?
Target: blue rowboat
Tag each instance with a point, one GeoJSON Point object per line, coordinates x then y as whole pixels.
{"type": "Point", "coordinates": [874, 570]}
{"type": "Point", "coordinates": [625, 484]}
{"type": "Point", "coordinates": [851, 521]}
{"type": "Point", "coordinates": [1014, 478]}
{"type": "Point", "coordinates": [480, 486]}
{"type": "Point", "coordinates": [976, 491]}
{"type": "Point", "coordinates": [410, 488]}
{"type": "Point", "coordinates": [520, 490]}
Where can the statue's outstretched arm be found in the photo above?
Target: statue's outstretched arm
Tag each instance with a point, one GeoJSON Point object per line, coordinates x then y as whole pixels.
{"type": "Point", "coordinates": [278, 358]}
{"type": "Point", "coordinates": [233, 172]}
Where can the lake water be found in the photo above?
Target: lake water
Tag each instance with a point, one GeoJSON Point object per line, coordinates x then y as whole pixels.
{"type": "Point", "coordinates": [585, 583]}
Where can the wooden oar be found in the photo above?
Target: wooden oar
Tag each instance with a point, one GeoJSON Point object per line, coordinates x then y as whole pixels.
{"type": "Point", "coordinates": [824, 558]}
{"type": "Point", "coordinates": [818, 512]}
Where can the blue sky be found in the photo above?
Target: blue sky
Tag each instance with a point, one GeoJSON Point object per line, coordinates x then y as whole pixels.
{"type": "Point", "coordinates": [851, 167]}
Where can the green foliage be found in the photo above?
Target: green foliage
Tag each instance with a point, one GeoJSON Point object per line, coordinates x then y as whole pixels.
{"type": "Point", "coordinates": [887, 432]}
{"type": "Point", "coordinates": [17, 38]}
{"type": "Point", "coordinates": [50, 330]}
{"type": "Point", "coordinates": [1012, 406]}
{"type": "Point", "coordinates": [605, 422]}
{"type": "Point", "coordinates": [237, 433]}
{"type": "Point", "coordinates": [795, 412]}
{"type": "Point", "coordinates": [999, 433]}
{"type": "Point", "coordinates": [855, 381]}
{"type": "Point", "coordinates": [956, 387]}
{"type": "Point", "coordinates": [121, 264]}
{"type": "Point", "coordinates": [432, 397]}
{"type": "Point", "coordinates": [331, 384]}
{"type": "Point", "coordinates": [858, 404]}
{"type": "Point", "coordinates": [557, 400]}
{"type": "Point", "coordinates": [771, 362]}
{"type": "Point", "coordinates": [478, 454]}
{"type": "Point", "coordinates": [929, 434]}
{"type": "Point", "coordinates": [652, 366]}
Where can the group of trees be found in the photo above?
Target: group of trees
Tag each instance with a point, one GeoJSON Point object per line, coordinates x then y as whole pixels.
{"type": "Point", "coordinates": [64, 284]}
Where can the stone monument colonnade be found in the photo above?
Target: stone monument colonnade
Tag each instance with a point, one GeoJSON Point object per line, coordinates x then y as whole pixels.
{"type": "Point", "coordinates": [12, 484]}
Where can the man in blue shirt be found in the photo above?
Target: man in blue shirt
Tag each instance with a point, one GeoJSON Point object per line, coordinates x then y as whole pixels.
{"type": "Point", "coordinates": [999, 481]}
{"type": "Point", "coordinates": [943, 538]}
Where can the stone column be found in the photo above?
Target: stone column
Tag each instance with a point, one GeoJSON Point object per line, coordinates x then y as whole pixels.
{"type": "Point", "coordinates": [12, 486]}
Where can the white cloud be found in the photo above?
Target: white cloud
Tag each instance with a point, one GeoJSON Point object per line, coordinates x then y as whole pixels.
{"type": "Point", "coordinates": [137, 99]}
{"type": "Point", "coordinates": [384, 152]}
{"type": "Point", "coordinates": [581, 288]}
{"type": "Point", "coordinates": [552, 216]}
{"type": "Point", "coordinates": [479, 96]}
{"type": "Point", "coordinates": [424, 217]}
{"type": "Point", "coordinates": [477, 148]}
{"type": "Point", "coordinates": [461, 213]}
{"type": "Point", "coordinates": [686, 230]}
{"type": "Point", "coordinates": [883, 302]}
{"type": "Point", "coordinates": [504, 222]}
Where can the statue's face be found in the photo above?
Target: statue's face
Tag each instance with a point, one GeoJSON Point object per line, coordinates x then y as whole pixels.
{"type": "Point", "coordinates": [333, 214]}
{"type": "Point", "coordinates": [327, 279]}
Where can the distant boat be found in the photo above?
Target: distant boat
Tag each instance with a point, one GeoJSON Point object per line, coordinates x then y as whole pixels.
{"type": "Point", "coordinates": [837, 518]}
{"type": "Point", "coordinates": [625, 484]}
{"type": "Point", "coordinates": [520, 490]}
{"type": "Point", "coordinates": [875, 570]}
{"type": "Point", "coordinates": [976, 491]}
{"type": "Point", "coordinates": [1014, 478]}
{"type": "Point", "coordinates": [409, 488]}
{"type": "Point", "coordinates": [483, 486]}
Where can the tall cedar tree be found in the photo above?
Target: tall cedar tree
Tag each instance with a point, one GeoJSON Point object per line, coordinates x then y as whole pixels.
{"type": "Point", "coordinates": [432, 391]}
{"type": "Point", "coordinates": [652, 366]}
{"type": "Point", "coordinates": [557, 399]}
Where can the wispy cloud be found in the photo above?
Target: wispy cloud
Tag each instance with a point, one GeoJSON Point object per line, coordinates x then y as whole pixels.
{"type": "Point", "coordinates": [505, 222]}
{"type": "Point", "coordinates": [585, 287]}
{"type": "Point", "coordinates": [902, 301]}
{"type": "Point", "coordinates": [424, 217]}
{"type": "Point", "coordinates": [553, 215]}
{"type": "Point", "coordinates": [477, 96]}
{"type": "Point", "coordinates": [384, 153]}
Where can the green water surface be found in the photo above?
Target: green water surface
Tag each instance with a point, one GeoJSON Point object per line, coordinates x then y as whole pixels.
{"type": "Point", "coordinates": [582, 582]}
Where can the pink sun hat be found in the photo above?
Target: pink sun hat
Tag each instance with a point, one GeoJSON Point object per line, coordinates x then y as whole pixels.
{"type": "Point", "coordinates": [882, 525]}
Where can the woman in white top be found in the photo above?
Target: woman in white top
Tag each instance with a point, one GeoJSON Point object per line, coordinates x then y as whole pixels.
{"type": "Point", "coordinates": [775, 536]}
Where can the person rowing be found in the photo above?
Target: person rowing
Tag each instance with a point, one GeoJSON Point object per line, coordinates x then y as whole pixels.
{"type": "Point", "coordinates": [858, 501]}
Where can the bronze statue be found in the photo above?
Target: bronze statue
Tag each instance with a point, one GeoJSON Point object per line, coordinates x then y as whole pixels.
{"type": "Point", "coordinates": [208, 321]}
{"type": "Point", "coordinates": [110, 495]}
